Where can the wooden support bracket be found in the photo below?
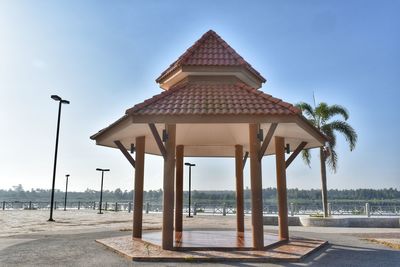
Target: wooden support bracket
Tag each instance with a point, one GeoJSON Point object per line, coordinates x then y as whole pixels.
{"type": "Point", "coordinates": [158, 139]}
{"type": "Point", "coordinates": [267, 140]}
{"type": "Point", "coordinates": [125, 152]}
{"type": "Point", "coordinates": [295, 153]}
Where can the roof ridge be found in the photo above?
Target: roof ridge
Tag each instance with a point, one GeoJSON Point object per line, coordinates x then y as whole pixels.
{"type": "Point", "coordinates": [189, 51]}
{"type": "Point", "coordinates": [232, 51]}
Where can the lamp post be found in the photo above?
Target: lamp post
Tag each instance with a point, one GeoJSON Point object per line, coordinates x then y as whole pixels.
{"type": "Point", "coordinates": [66, 189]}
{"type": "Point", "coordinates": [60, 101]}
{"type": "Point", "coordinates": [101, 191]}
{"type": "Point", "coordinates": [190, 183]}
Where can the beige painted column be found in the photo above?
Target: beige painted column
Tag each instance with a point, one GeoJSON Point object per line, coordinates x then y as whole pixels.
{"type": "Point", "coordinates": [256, 188]}
{"type": "Point", "coordinates": [139, 177]}
{"type": "Point", "coordinates": [239, 189]}
{"type": "Point", "coordinates": [168, 196]}
{"type": "Point", "coordinates": [281, 188]}
{"type": "Point", "coordinates": [179, 188]}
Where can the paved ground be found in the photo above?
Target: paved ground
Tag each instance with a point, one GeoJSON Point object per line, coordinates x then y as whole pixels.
{"type": "Point", "coordinates": [76, 247]}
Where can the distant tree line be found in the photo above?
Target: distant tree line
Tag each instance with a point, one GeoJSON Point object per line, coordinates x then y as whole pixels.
{"type": "Point", "coordinates": [17, 193]}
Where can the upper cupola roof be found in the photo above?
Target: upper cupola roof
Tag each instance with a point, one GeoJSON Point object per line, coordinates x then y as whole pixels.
{"type": "Point", "coordinates": [210, 56]}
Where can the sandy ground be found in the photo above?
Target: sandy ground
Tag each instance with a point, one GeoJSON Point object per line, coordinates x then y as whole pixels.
{"type": "Point", "coordinates": [27, 239]}
{"type": "Point", "coordinates": [19, 222]}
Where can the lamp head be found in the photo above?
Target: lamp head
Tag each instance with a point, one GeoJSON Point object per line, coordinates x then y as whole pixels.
{"type": "Point", "coordinates": [102, 170]}
{"type": "Point", "coordinates": [190, 164]}
{"type": "Point", "coordinates": [67, 175]}
{"type": "Point", "coordinates": [64, 101]}
{"type": "Point", "coordinates": [56, 97]}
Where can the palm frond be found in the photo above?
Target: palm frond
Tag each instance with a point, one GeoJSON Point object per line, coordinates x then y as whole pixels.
{"type": "Point", "coordinates": [306, 155]}
{"type": "Point", "coordinates": [322, 109]}
{"type": "Point", "coordinates": [337, 110]}
{"type": "Point", "coordinates": [348, 132]}
{"type": "Point", "coordinates": [307, 109]}
{"type": "Point", "coordinates": [330, 133]}
{"type": "Point", "coordinates": [332, 160]}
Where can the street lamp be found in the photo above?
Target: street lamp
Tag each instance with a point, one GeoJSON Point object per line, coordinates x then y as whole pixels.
{"type": "Point", "coordinates": [60, 101]}
{"type": "Point", "coordinates": [190, 183]}
{"type": "Point", "coordinates": [101, 191]}
{"type": "Point", "coordinates": [66, 189]}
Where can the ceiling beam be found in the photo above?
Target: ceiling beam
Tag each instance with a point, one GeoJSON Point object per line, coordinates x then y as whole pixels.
{"type": "Point", "coordinates": [125, 152]}
{"type": "Point", "coordinates": [295, 153]}
{"type": "Point", "coordinates": [158, 139]}
{"type": "Point", "coordinates": [267, 140]}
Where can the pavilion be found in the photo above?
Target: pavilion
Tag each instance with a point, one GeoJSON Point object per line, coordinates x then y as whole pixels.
{"type": "Point", "coordinates": [211, 106]}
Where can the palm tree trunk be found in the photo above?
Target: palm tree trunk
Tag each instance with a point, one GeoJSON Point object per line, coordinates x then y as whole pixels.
{"type": "Point", "coordinates": [324, 190]}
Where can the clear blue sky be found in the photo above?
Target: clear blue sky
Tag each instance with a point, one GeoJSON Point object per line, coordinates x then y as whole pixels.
{"type": "Point", "coordinates": [104, 56]}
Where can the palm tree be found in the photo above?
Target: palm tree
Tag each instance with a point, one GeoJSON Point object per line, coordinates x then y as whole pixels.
{"type": "Point", "coordinates": [324, 117]}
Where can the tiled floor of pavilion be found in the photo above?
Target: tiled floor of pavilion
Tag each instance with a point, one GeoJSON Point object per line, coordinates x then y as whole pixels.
{"type": "Point", "coordinates": [211, 246]}
{"type": "Point", "coordinates": [205, 240]}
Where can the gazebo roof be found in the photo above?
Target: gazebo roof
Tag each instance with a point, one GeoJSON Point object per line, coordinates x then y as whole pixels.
{"type": "Point", "coordinates": [212, 106]}
{"type": "Point", "coordinates": [205, 98]}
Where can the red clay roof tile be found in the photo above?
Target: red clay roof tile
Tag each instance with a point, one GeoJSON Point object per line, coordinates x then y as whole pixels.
{"type": "Point", "coordinates": [210, 50]}
{"type": "Point", "coordinates": [213, 99]}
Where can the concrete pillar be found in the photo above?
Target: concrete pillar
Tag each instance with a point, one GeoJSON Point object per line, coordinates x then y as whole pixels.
{"type": "Point", "coordinates": [367, 210]}
{"type": "Point", "coordinates": [168, 196]}
{"type": "Point", "coordinates": [129, 207]}
{"type": "Point", "coordinates": [194, 209]}
{"type": "Point", "coordinates": [139, 178]}
{"type": "Point", "coordinates": [239, 188]}
{"type": "Point", "coordinates": [256, 188]}
{"type": "Point", "coordinates": [281, 188]}
{"type": "Point", "coordinates": [147, 207]}
{"type": "Point", "coordinates": [224, 210]}
{"type": "Point", "coordinates": [179, 188]}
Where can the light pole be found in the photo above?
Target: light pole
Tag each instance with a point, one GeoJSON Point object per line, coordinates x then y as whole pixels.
{"type": "Point", "coordinates": [60, 101]}
{"type": "Point", "coordinates": [190, 183]}
{"type": "Point", "coordinates": [101, 191]}
{"type": "Point", "coordinates": [66, 189]}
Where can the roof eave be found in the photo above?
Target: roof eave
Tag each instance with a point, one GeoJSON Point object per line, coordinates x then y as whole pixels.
{"type": "Point", "coordinates": [103, 131]}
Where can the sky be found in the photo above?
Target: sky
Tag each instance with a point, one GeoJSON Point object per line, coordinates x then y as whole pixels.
{"type": "Point", "coordinates": [104, 56]}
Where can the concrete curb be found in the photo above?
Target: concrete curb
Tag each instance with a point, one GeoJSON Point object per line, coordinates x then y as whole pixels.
{"type": "Point", "coordinates": [364, 222]}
